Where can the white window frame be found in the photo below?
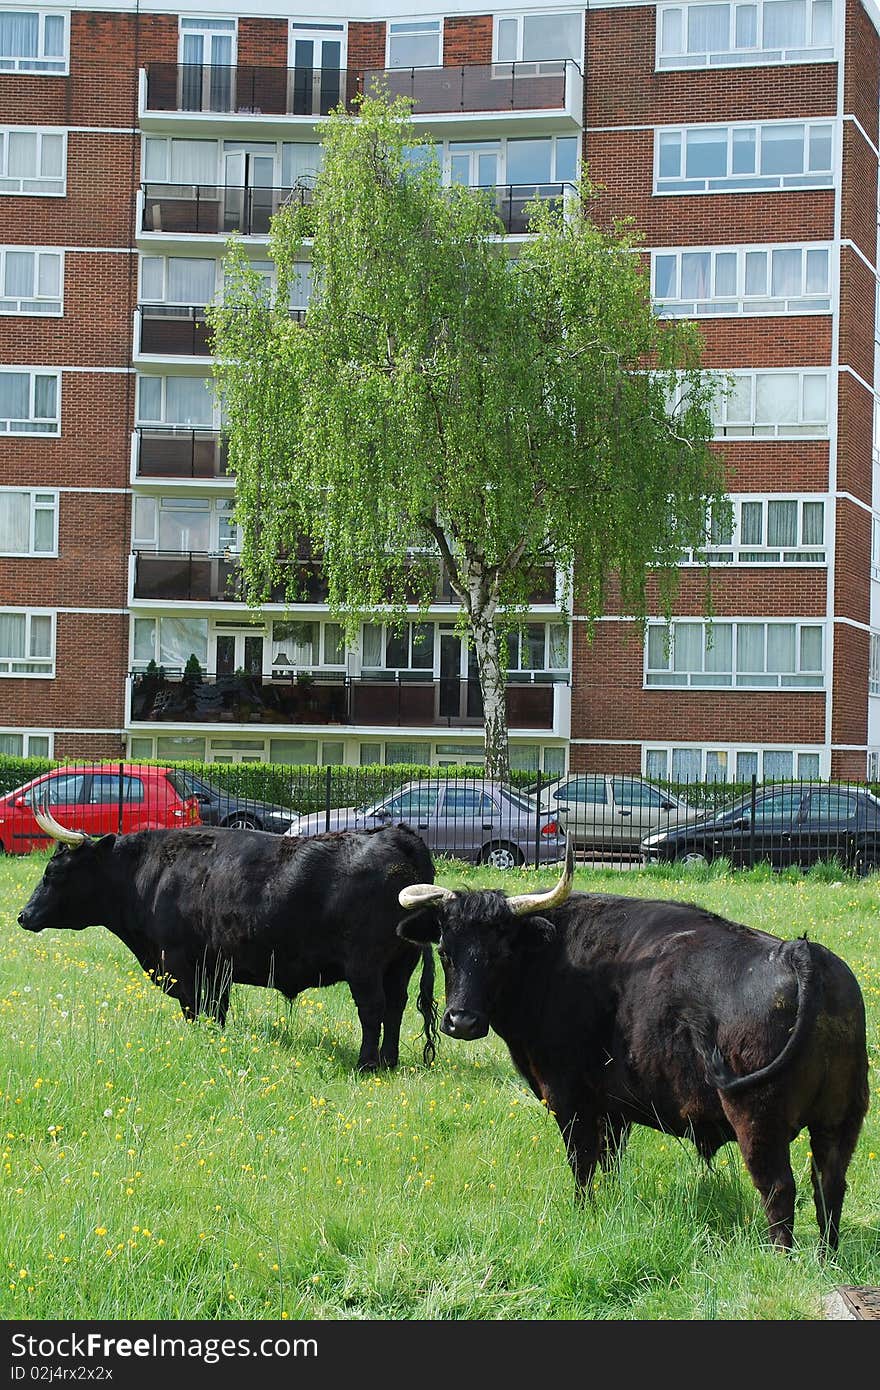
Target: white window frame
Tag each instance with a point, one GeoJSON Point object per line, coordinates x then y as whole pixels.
{"type": "Point", "coordinates": [738, 552]}
{"type": "Point", "coordinates": [732, 751]}
{"type": "Point", "coordinates": [742, 303]}
{"type": "Point", "coordinates": [728, 182]}
{"type": "Point", "coordinates": [802, 678]}
{"type": "Point", "coordinates": [874, 664]}
{"type": "Point", "coordinates": [10, 666]}
{"type": "Point", "coordinates": [215, 422]}
{"type": "Point", "coordinates": [30, 191]}
{"type": "Point", "coordinates": [33, 373]}
{"type": "Point", "coordinates": [802, 428]}
{"type": "Point", "coordinates": [541, 64]}
{"type": "Point", "coordinates": [444, 153]}
{"type": "Point", "coordinates": [153, 256]}
{"type": "Point", "coordinates": [26, 735]}
{"type": "Point", "coordinates": [216, 508]}
{"type": "Point", "coordinates": [54, 306]}
{"type": "Point", "coordinates": [739, 55]}
{"type": "Point", "coordinates": [42, 65]}
{"type": "Point", "coordinates": [166, 140]}
{"type": "Point", "coordinates": [557, 672]}
{"type": "Point", "coordinates": [422, 20]}
{"type": "Point", "coordinates": [331, 28]}
{"type": "Point", "coordinates": [35, 505]}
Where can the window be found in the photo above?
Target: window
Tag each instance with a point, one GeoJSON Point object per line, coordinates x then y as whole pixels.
{"type": "Point", "coordinates": [15, 744]}
{"type": "Point", "coordinates": [294, 645]}
{"type": "Point", "coordinates": [742, 654]}
{"type": "Point", "coordinates": [30, 401]}
{"type": "Point", "coordinates": [742, 280]}
{"type": "Point", "coordinates": [774, 404]}
{"type": "Point", "coordinates": [538, 647]}
{"type": "Point", "coordinates": [28, 522]}
{"type": "Point", "coordinates": [416, 804]}
{"type": "Point", "coordinates": [33, 161]}
{"type": "Point", "coordinates": [693, 764]}
{"type": "Point", "coordinates": [189, 280]}
{"type": "Point", "coordinates": [199, 524]}
{"type": "Point", "coordinates": [589, 791]}
{"type": "Point", "coordinates": [539, 37]}
{"type": "Point", "coordinates": [466, 803]}
{"type": "Point", "coordinates": [743, 158]}
{"type": "Point", "coordinates": [874, 665]}
{"type": "Point", "coordinates": [27, 643]}
{"type": "Point", "coordinates": [105, 788]}
{"type": "Point", "coordinates": [176, 400]}
{"type": "Point", "coordinates": [415, 43]}
{"type": "Point", "coordinates": [410, 648]}
{"type": "Point", "coordinates": [31, 282]}
{"type": "Point", "coordinates": [767, 530]}
{"type": "Point", "coordinates": [169, 642]}
{"type": "Point", "coordinates": [61, 789]}
{"type": "Point", "coordinates": [759, 31]}
{"type": "Point", "coordinates": [181, 161]}
{"type": "Point", "coordinates": [33, 41]}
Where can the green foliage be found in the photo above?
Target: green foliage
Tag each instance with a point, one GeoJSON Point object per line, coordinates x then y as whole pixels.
{"type": "Point", "coordinates": [444, 397]}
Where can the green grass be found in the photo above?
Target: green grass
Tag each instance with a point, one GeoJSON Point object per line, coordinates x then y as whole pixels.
{"type": "Point", "coordinates": [154, 1169]}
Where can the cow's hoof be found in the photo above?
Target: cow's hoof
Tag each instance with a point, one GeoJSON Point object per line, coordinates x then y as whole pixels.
{"type": "Point", "coordinates": [370, 1064]}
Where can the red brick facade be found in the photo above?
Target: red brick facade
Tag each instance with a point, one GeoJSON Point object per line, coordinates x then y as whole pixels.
{"type": "Point", "coordinates": [625, 99]}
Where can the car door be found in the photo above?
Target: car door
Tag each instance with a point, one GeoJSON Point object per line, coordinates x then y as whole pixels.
{"type": "Point", "coordinates": [773, 839]}
{"type": "Point", "coordinates": [827, 826]}
{"type": "Point", "coordinates": [417, 806]}
{"type": "Point", "coordinates": [116, 805]}
{"type": "Point", "coordinates": [582, 806]}
{"type": "Point", "coordinates": [63, 793]}
{"type": "Point", "coordinates": [467, 819]}
{"type": "Point", "coordinates": [638, 810]}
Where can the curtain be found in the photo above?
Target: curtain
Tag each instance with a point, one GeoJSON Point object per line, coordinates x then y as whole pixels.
{"type": "Point", "coordinates": [297, 641]}
{"type": "Point", "coordinates": [20, 34]}
{"type": "Point", "coordinates": [14, 395]}
{"type": "Point", "coordinates": [185, 528]}
{"type": "Point", "coordinates": [782, 523]}
{"type": "Point", "coordinates": [188, 400]}
{"type": "Point", "coordinates": [181, 638]}
{"type": "Point", "coordinates": [658, 656]}
{"type": "Point", "coordinates": [811, 649]}
{"type": "Point", "coordinates": [302, 161]}
{"type": "Point", "coordinates": [751, 524]}
{"type": "Point", "coordinates": [708, 28]}
{"type": "Point", "coordinates": [746, 766]}
{"type": "Point", "coordinates": [696, 275]}
{"type": "Point", "coordinates": [785, 23]}
{"type": "Point", "coordinates": [45, 397]}
{"type": "Point", "coordinates": [12, 629]}
{"type": "Point", "coordinates": [559, 646]}
{"type": "Point", "coordinates": [725, 277]}
{"type": "Point", "coordinates": [786, 273]}
{"type": "Point", "coordinates": [814, 523]}
{"type": "Point", "coordinates": [746, 26]}
{"type": "Point", "coordinates": [750, 647]}
{"type": "Point", "coordinates": [816, 397]}
{"type": "Point", "coordinates": [781, 647]}
{"type": "Point", "coordinates": [719, 655]}
{"type": "Point", "coordinates": [685, 765]}
{"type": "Point", "coordinates": [776, 398]}
{"type": "Point", "coordinates": [777, 765]}
{"type": "Point", "coordinates": [41, 636]}
{"type": "Point", "coordinates": [194, 161]}
{"type": "Point", "coordinates": [49, 274]}
{"type": "Point", "coordinates": [687, 649]}
{"type": "Point", "coordinates": [756, 272]}
{"type": "Point", "coordinates": [716, 765]}
{"type": "Point", "coordinates": [817, 280]}
{"type": "Point", "coordinates": [15, 522]}
{"type": "Point", "coordinates": [552, 36]}
{"type": "Point", "coordinates": [738, 404]}
{"type": "Point", "coordinates": [372, 644]}
{"type": "Point", "coordinates": [21, 160]}
{"type": "Point", "coordinates": [144, 639]}
{"type": "Point", "coordinates": [334, 645]}
{"type": "Point", "coordinates": [18, 277]}
{"type": "Point", "coordinates": [191, 280]}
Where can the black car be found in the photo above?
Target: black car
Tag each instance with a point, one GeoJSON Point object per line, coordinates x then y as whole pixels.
{"type": "Point", "coordinates": [220, 807]}
{"type": "Point", "coordinates": [793, 824]}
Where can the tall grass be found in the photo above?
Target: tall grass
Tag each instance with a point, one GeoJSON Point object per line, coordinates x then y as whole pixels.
{"type": "Point", "coordinates": [157, 1169]}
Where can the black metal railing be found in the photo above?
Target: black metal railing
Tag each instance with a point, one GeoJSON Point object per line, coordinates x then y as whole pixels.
{"type": "Point", "coordinates": [216, 209]}
{"type": "Point", "coordinates": [171, 451]}
{"type": "Point", "coordinates": [402, 700]}
{"type": "Point", "coordinates": [181, 330]}
{"type": "Point", "coordinates": [249, 90]}
{"type": "Point", "coordinates": [512, 201]}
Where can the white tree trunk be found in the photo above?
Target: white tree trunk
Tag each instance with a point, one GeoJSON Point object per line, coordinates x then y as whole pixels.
{"type": "Point", "coordinates": [492, 670]}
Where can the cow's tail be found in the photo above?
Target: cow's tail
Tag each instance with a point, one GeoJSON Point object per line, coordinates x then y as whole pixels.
{"type": "Point", "coordinates": [427, 1005]}
{"type": "Point", "coordinates": [718, 1072]}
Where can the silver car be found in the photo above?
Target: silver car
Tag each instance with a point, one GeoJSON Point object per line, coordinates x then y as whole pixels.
{"type": "Point", "coordinates": [482, 822]}
{"type": "Point", "coordinates": [613, 812]}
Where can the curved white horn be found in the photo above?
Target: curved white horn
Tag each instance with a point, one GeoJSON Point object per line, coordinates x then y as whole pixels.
{"type": "Point", "coordinates": [50, 826]}
{"type": "Point", "coordinates": [540, 902]}
{"type": "Point", "coordinates": [420, 894]}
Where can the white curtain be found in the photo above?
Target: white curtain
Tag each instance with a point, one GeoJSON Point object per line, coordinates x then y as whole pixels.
{"type": "Point", "coordinates": [687, 651]}
{"type": "Point", "coordinates": [15, 522]}
{"type": "Point", "coordinates": [194, 161]}
{"type": "Point", "coordinates": [12, 630]}
{"type": "Point", "coordinates": [559, 646]}
{"type": "Point", "coordinates": [811, 649]}
{"type": "Point", "coordinates": [41, 636]}
{"type": "Point", "coordinates": [781, 647]}
{"type": "Point", "coordinates": [750, 647]}
{"type": "Point", "coordinates": [814, 523]}
{"type": "Point", "coordinates": [181, 638]}
{"type": "Point", "coordinates": [816, 397]}
{"type": "Point", "coordinates": [708, 28]}
{"type": "Point", "coordinates": [18, 278]}
{"type": "Point", "coordinates": [756, 272]}
{"type": "Point", "coordinates": [785, 23]}
{"type": "Point", "coordinates": [14, 395]}
{"type": "Point", "coordinates": [782, 523]}
{"type": "Point", "coordinates": [724, 283]}
{"type": "Point", "coordinates": [191, 280]}
{"type": "Point", "coordinates": [372, 644]}
{"type": "Point", "coordinates": [20, 34]}
{"type": "Point", "coordinates": [719, 655]}
{"type": "Point", "coordinates": [817, 281]}
{"type": "Point", "coordinates": [188, 400]}
{"type": "Point", "coordinates": [776, 398]}
{"type": "Point", "coordinates": [751, 525]}
{"type": "Point", "coordinates": [696, 275]}
{"type": "Point", "coordinates": [301, 162]}
{"type": "Point", "coordinates": [786, 274]}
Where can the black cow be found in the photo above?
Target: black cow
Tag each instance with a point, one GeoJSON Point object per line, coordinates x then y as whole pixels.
{"type": "Point", "coordinates": [621, 1011]}
{"type": "Point", "coordinates": [203, 909]}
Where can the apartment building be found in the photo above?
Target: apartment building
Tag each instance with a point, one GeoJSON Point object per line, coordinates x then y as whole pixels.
{"type": "Point", "coordinates": [741, 136]}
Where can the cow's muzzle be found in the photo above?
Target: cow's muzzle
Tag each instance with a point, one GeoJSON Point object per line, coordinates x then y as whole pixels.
{"type": "Point", "coordinates": [461, 1023]}
{"type": "Point", "coordinates": [26, 920]}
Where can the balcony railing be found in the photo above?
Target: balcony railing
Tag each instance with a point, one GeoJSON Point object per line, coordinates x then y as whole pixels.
{"type": "Point", "coordinates": [331, 698]}
{"type": "Point", "coordinates": [192, 576]}
{"type": "Point", "coordinates": [512, 200]}
{"type": "Point", "coordinates": [179, 330]}
{"type": "Point", "coordinates": [174, 452]}
{"type": "Point", "coordinates": [245, 90]}
{"type": "Point", "coordinates": [216, 209]}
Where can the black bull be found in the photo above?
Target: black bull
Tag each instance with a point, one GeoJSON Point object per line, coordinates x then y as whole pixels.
{"type": "Point", "coordinates": [204, 909]}
{"type": "Point", "coordinates": [620, 1011]}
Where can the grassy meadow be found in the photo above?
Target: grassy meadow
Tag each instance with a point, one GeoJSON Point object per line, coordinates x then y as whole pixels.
{"type": "Point", "coordinates": [153, 1169]}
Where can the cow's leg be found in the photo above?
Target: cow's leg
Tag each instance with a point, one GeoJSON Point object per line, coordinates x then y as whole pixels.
{"type": "Point", "coordinates": [395, 984]}
{"type": "Point", "coordinates": [765, 1150]}
{"type": "Point", "coordinates": [581, 1129]}
{"type": "Point", "coordinates": [832, 1151]}
{"type": "Point", "coordinates": [369, 997]}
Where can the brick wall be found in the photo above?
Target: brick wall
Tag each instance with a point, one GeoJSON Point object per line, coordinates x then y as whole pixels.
{"type": "Point", "coordinates": [467, 40]}
{"type": "Point", "coordinates": [262, 42]}
{"type": "Point", "coordinates": [366, 44]}
{"type": "Point", "coordinates": [102, 170]}
{"type": "Point", "coordinates": [849, 721]}
{"type": "Point", "coordinates": [97, 413]}
{"type": "Point", "coordinates": [857, 288]}
{"type": "Point", "coordinates": [91, 659]}
{"type": "Point", "coordinates": [861, 68]}
{"type": "Point", "coordinates": [90, 569]}
{"type": "Point", "coordinates": [854, 425]}
{"type": "Point", "coordinates": [96, 326]}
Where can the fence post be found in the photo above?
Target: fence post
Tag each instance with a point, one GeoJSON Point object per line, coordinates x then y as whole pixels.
{"type": "Point", "coordinates": [752, 821]}
{"type": "Point", "coordinates": [119, 807]}
{"type": "Point", "coordinates": [327, 778]}
{"type": "Point", "coordinates": [538, 786]}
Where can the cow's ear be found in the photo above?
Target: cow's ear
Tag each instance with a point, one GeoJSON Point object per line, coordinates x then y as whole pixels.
{"type": "Point", "coordinates": [420, 926]}
{"type": "Point", "coordinates": [536, 932]}
{"type": "Point", "coordinates": [105, 844]}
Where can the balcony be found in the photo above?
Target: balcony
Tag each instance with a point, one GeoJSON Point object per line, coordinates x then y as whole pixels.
{"type": "Point", "coordinates": [177, 330]}
{"type": "Point", "coordinates": [215, 209]}
{"type": "Point", "coordinates": [175, 452]}
{"type": "Point", "coordinates": [512, 200]}
{"type": "Point", "coordinates": [197, 576]}
{"type": "Point", "coordinates": [264, 96]}
{"type": "Point", "coordinates": [331, 698]}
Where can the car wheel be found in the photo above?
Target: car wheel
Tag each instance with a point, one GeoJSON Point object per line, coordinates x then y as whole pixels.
{"type": "Point", "coordinates": [694, 858]}
{"type": "Point", "coordinates": [501, 856]}
{"type": "Point", "coordinates": [242, 821]}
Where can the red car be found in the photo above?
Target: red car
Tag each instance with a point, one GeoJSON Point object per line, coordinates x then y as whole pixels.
{"type": "Point", "coordinates": [97, 799]}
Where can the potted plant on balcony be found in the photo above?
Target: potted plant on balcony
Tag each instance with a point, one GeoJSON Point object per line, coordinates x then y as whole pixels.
{"type": "Point", "coordinates": [148, 694]}
{"type": "Point", "coordinates": [190, 682]}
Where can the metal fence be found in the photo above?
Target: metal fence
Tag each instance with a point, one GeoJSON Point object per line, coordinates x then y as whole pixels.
{"type": "Point", "coordinates": [615, 819]}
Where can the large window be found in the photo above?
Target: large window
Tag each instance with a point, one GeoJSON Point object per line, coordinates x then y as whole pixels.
{"type": "Point", "coordinates": [27, 642]}
{"type": "Point", "coordinates": [176, 400]}
{"type": "Point", "coordinates": [31, 282]}
{"type": "Point", "coordinates": [34, 41]}
{"type": "Point", "coordinates": [729, 763]}
{"type": "Point", "coordinates": [181, 161]}
{"type": "Point", "coordinates": [731, 34]}
{"type": "Point", "coordinates": [773, 404]}
{"type": "Point", "coordinates": [187, 280]}
{"type": "Point", "coordinates": [538, 647]}
{"type": "Point", "coordinates": [28, 522]}
{"type": "Point", "coordinates": [742, 280]}
{"type": "Point", "coordinates": [170, 642]}
{"type": "Point", "coordinates": [743, 158]}
{"type": "Point", "coordinates": [33, 161]}
{"type": "Point", "coordinates": [539, 37]}
{"type": "Point", "coordinates": [30, 401]}
{"type": "Point", "coordinates": [742, 654]}
{"type": "Point", "coordinates": [301, 645]}
{"type": "Point", "coordinates": [767, 530]}
{"type": "Point", "coordinates": [410, 648]}
{"type": "Point", "coordinates": [415, 43]}
{"type": "Point", "coordinates": [200, 524]}
{"type": "Point", "coordinates": [874, 665]}
{"type": "Point", "coordinates": [14, 743]}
